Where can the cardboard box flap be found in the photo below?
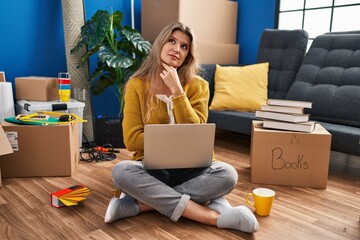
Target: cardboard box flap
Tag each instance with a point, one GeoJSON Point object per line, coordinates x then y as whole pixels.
{"type": "Point", "coordinates": [5, 147]}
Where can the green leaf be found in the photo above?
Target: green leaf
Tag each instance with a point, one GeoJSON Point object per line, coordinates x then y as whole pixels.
{"type": "Point", "coordinates": [117, 18]}
{"type": "Point", "coordinates": [88, 54]}
{"type": "Point", "coordinates": [94, 30]}
{"type": "Point", "coordinates": [114, 60]}
{"type": "Point", "coordinates": [136, 39]}
{"type": "Point", "coordinates": [101, 84]}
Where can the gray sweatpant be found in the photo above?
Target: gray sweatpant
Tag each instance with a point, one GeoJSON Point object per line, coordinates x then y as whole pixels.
{"type": "Point", "coordinates": [169, 192]}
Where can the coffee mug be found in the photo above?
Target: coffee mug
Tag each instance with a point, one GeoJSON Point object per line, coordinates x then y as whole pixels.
{"type": "Point", "coordinates": [262, 200]}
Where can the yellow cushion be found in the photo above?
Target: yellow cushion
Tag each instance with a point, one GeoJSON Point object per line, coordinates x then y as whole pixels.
{"type": "Point", "coordinates": [240, 88]}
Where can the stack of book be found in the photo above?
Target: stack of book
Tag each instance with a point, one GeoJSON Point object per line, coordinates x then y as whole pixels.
{"type": "Point", "coordinates": [69, 196]}
{"type": "Point", "coordinates": [286, 115]}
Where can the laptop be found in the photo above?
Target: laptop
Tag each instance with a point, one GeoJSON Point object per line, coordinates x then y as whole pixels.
{"type": "Point", "coordinates": [170, 146]}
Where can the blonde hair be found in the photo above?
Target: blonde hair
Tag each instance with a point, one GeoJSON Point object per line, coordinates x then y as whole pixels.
{"type": "Point", "coordinates": [152, 66]}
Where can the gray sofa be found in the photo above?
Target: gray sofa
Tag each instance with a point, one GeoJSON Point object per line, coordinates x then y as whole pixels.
{"type": "Point", "coordinates": [328, 75]}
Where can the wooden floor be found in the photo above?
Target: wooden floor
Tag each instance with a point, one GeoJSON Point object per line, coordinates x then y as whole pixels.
{"type": "Point", "coordinates": [298, 213]}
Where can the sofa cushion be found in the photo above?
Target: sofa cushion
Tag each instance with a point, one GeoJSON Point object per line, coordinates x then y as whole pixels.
{"type": "Point", "coordinates": [240, 88]}
{"type": "Point", "coordinates": [284, 50]}
{"type": "Point", "coordinates": [239, 122]}
{"type": "Point", "coordinates": [330, 78]}
{"type": "Point", "coordinates": [208, 73]}
{"type": "Point", "coordinates": [344, 138]}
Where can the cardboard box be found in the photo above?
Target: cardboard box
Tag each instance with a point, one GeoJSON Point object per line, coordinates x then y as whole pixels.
{"type": "Point", "coordinates": [40, 151]}
{"type": "Point", "coordinates": [36, 88]}
{"type": "Point", "coordinates": [5, 147]}
{"type": "Point", "coordinates": [2, 77]}
{"type": "Point", "coordinates": [290, 158]}
{"type": "Point", "coordinates": [216, 53]}
{"type": "Point", "coordinates": [212, 21]}
{"type": "Point", "coordinates": [73, 106]}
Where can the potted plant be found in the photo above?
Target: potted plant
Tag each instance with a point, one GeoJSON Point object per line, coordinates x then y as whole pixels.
{"type": "Point", "coordinates": [120, 50]}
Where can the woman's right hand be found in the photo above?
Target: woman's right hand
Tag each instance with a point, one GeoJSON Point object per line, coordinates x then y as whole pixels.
{"type": "Point", "coordinates": [171, 78]}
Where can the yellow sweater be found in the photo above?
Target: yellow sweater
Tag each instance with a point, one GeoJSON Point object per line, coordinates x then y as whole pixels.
{"type": "Point", "coordinates": [191, 107]}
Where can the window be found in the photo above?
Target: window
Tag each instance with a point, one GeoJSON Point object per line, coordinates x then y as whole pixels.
{"type": "Point", "coordinates": [318, 17]}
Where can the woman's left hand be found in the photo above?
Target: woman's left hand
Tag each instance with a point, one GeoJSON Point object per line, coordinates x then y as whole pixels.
{"type": "Point", "coordinates": [171, 78]}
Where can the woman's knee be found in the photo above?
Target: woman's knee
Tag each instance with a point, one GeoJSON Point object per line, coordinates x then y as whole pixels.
{"type": "Point", "coordinates": [122, 171]}
{"type": "Point", "coordinates": [229, 174]}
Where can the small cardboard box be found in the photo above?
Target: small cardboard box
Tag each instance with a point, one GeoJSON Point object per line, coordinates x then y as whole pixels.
{"type": "Point", "coordinates": [211, 53]}
{"type": "Point", "coordinates": [290, 158]}
{"type": "Point", "coordinates": [36, 88]}
{"type": "Point", "coordinates": [212, 21]}
{"type": "Point", "coordinates": [5, 147]}
{"type": "Point", "coordinates": [40, 151]}
{"type": "Point", "coordinates": [2, 77]}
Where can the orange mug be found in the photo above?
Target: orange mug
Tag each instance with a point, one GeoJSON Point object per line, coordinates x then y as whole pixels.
{"type": "Point", "coordinates": [263, 199]}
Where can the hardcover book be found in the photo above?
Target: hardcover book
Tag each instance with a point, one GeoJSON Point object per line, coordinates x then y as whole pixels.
{"type": "Point", "coordinates": [283, 109]}
{"type": "Point", "coordinates": [69, 196]}
{"type": "Point", "coordinates": [298, 127]}
{"type": "Point", "coordinates": [295, 118]}
{"type": "Point", "coordinates": [289, 103]}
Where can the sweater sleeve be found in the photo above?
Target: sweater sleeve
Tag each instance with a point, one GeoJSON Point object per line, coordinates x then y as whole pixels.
{"type": "Point", "coordinates": [133, 127]}
{"type": "Point", "coordinates": [192, 106]}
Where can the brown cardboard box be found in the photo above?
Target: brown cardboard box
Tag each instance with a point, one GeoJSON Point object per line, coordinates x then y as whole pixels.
{"type": "Point", "coordinates": [2, 76]}
{"type": "Point", "coordinates": [36, 88]}
{"type": "Point", "coordinates": [290, 158]}
{"type": "Point", "coordinates": [212, 21]}
{"type": "Point", "coordinates": [217, 53]}
{"type": "Point", "coordinates": [5, 147]}
{"type": "Point", "coordinates": [40, 151]}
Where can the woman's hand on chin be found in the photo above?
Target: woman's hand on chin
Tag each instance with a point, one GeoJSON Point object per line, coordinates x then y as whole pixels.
{"type": "Point", "coordinates": [171, 78]}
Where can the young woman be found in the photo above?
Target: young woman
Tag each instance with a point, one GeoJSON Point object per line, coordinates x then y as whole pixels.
{"type": "Point", "coordinates": [166, 89]}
